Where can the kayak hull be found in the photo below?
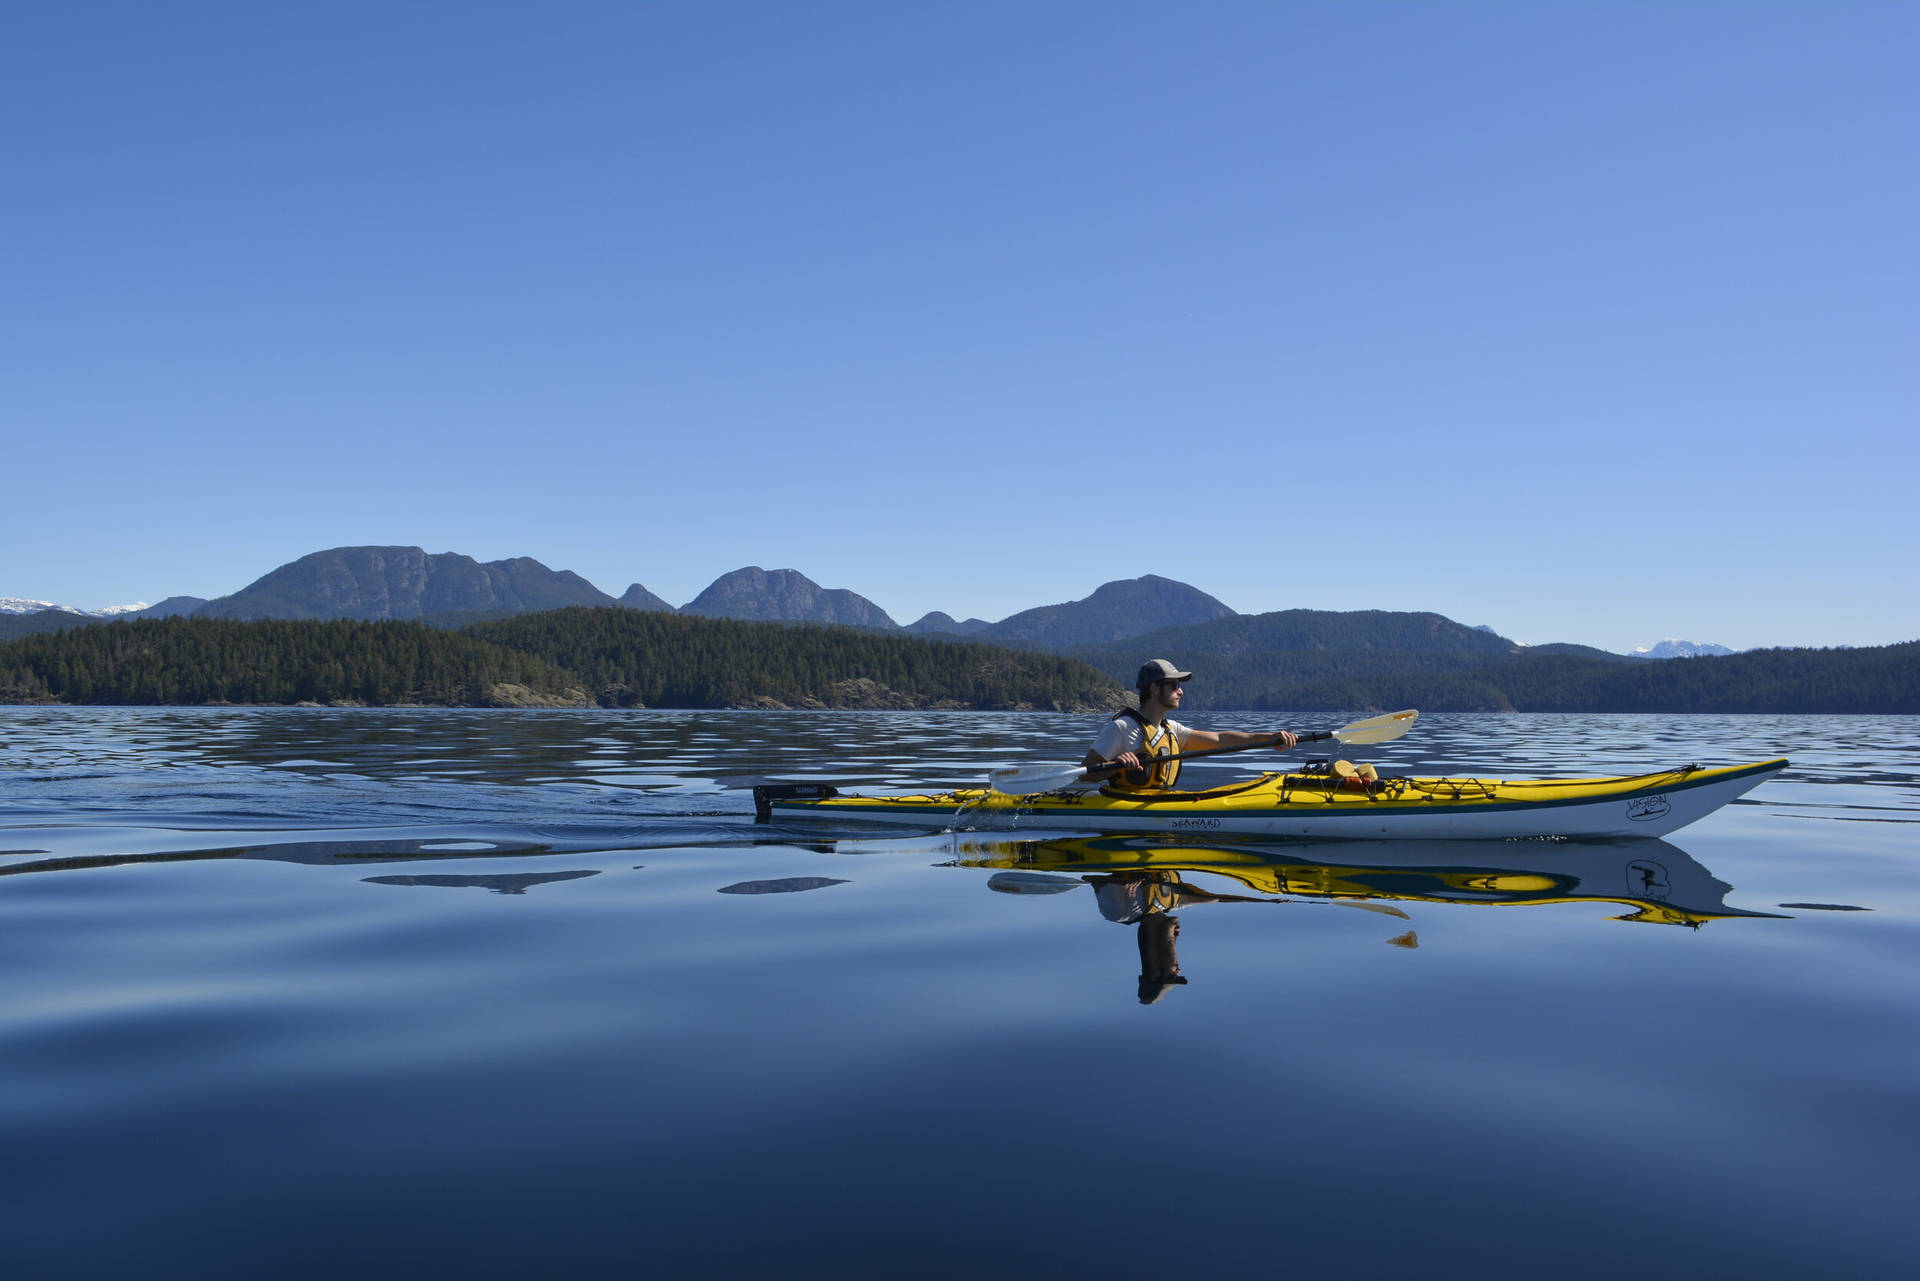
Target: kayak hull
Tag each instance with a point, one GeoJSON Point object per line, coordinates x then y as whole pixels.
{"type": "Point", "coordinates": [1316, 807]}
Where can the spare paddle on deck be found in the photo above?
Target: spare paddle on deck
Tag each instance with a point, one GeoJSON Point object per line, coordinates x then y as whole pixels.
{"type": "Point", "coordinates": [1027, 779]}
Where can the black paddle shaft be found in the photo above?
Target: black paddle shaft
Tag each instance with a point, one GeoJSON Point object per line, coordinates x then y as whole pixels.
{"type": "Point", "coordinates": [1151, 761]}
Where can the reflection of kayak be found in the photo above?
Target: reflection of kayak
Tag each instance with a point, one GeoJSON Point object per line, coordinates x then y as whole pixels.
{"type": "Point", "coordinates": [1318, 806]}
{"type": "Point", "coordinates": [1661, 882]}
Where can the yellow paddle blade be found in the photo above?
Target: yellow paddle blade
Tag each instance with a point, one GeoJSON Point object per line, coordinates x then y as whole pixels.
{"type": "Point", "coordinates": [1378, 729]}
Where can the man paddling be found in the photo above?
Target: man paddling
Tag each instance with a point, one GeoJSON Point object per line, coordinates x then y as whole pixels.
{"type": "Point", "coordinates": [1133, 736]}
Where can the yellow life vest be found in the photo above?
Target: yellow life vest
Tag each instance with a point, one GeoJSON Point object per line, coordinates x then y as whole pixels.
{"type": "Point", "coordinates": [1159, 741]}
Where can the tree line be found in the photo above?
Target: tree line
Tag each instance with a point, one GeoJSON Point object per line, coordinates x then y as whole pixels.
{"type": "Point", "coordinates": [1881, 679]}
{"type": "Point", "coordinates": [209, 660]}
{"type": "Point", "coordinates": [615, 657]}
{"type": "Point", "coordinates": [1302, 630]}
{"type": "Point", "coordinates": [607, 656]}
{"type": "Point", "coordinates": [642, 658]}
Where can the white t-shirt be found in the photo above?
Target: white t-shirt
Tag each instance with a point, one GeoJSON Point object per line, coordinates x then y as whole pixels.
{"type": "Point", "coordinates": [1125, 734]}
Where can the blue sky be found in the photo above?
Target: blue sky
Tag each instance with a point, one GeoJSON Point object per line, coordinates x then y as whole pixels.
{"type": "Point", "coordinates": [1592, 322]}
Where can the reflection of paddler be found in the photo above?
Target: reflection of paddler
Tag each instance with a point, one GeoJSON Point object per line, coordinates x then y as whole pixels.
{"type": "Point", "coordinates": [1127, 897]}
{"type": "Point", "coordinates": [1148, 899]}
{"type": "Point", "coordinates": [1159, 965]}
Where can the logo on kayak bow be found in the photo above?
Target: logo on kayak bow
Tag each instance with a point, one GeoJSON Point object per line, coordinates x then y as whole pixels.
{"type": "Point", "coordinates": [1643, 808]}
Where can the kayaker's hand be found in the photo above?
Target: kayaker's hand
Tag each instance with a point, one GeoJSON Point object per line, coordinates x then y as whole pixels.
{"type": "Point", "coordinates": [1284, 739]}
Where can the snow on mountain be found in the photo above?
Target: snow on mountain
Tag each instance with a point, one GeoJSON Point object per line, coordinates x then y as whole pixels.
{"type": "Point", "coordinates": [1672, 647]}
{"type": "Point", "coordinates": [1482, 627]}
{"type": "Point", "coordinates": [20, 605]}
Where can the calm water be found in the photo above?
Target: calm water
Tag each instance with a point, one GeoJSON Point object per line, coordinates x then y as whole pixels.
{"type": "Point", "coordinates": [305, 993]}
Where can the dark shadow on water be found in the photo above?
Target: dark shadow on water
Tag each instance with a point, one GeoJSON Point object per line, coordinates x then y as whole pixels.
{"type": "Point", "coordinates": [507, 883]}
{"type": "Point", "coordinates": [784, 885]}
{"type": "Point", "coordinates": [397, 846]}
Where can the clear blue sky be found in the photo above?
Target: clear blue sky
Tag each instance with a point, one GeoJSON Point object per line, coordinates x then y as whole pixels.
{"type": "Point", "coordinates": [1592, 322]}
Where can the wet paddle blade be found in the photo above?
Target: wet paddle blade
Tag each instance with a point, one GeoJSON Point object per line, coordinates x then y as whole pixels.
{"type": "Point", "coordinates": [1022, 780]}
{"type": "Point", "coordinates": [1378, 729]}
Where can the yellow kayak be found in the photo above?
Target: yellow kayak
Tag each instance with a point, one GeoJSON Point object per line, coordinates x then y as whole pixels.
{"type": "Point", "coordinates": [1314, 806]}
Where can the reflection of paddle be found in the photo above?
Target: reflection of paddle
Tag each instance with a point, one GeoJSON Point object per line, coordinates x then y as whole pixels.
{"type": "Point", "coordinates": [1041, 883]}
{"type": "Point", "coordinates": [1381, 908]}
{"type": "Point", "coordinates": [1026, 779]}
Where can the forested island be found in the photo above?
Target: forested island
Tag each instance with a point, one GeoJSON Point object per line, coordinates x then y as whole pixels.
{"type": "Point", "coordinates": [635, 658]}
{"type": "Point", "coordinates": [622, 657]}
{"type": "Point", "coordinates": [1882, 679]}
{"type": "Point", "coordinates": [575, 657]}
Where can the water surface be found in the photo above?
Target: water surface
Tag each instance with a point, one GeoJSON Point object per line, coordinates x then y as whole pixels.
{"type": "Point", "coordinates": [303, 992]}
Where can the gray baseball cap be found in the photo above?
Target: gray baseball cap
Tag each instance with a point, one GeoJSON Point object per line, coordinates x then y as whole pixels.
{"type": "Point", "coordinates": [1159, 669]}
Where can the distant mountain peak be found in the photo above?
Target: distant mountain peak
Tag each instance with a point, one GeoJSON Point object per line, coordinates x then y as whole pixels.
{"type": "Point", "coordinates": [785, 596]}
{"type": "Point", "coordinates": [403, 582]}
{"type": "Point", "coordinates": [1116, 610]}
{"type": "Point", "coordinates": [173, 606]}
{"type": "Point", "coordinates": [638, 597]}
{"type": "Point", "coordinates": [1673, 647]}
{"type": "Point", "coordinates": [940, 623]}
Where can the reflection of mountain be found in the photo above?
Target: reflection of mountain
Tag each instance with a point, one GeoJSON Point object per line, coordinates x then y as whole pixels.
{"type": "Point", "coordinates": [1662, 883]}
{"type": "Point", "coordinates": [506, 883]}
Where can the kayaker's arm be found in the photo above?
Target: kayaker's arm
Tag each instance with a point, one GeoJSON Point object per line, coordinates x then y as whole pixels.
{"type": "Point", "coordinates": [1197, 740]}
{"type": "Point", "coordinates": [1202, 739]}
{"type": "Point", "coordinates": [1132, 767]}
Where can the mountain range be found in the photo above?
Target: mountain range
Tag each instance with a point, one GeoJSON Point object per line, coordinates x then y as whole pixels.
{"type": "Point", "coordinates": [449, 588]}
{"type": "Point", "coordinates": [1671, 648]}
{"type": "Point", "coordinates": [20, 605]}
